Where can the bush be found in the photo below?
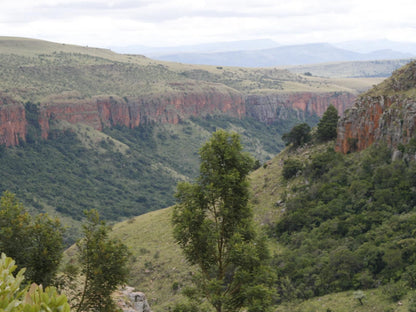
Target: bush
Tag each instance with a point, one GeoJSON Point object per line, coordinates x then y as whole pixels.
{"type": "Point", "coordinates": [291, 167]}
{"type": "Point", "coordinates": [298, 136]}
{"type": "Point", "coordinates": [395, 291]}
{"type": "Point", "coordinates": [34, 299]}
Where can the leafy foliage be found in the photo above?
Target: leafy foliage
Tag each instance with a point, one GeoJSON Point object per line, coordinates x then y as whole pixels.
{"type": "Point", "coordinates": [104, 265]}
{"type": "Point", "coordinates": [35, 244]}
{"type": "Point", "coordinates": [327, 126]}
{"type": "Point", "coordinates": [299, 135]}
{"type": "Point", "coordinates": [350, 226]}
{"type": "Point", "coordinates": [33, 299]}
{"type": "Point", "coordinates": [291, 167]}
{"type": "Point", "coordinates": [213, 225]}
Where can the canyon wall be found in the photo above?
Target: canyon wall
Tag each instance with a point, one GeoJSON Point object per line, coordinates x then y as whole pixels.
{"type": "Point", "coordinates": [107, 111]}
{"type": "Point", "coordinates": [270, 108]}
{"type": "Point", "coordinates": [390, 119]}
{"type": "Point", "coordinates": [12, 122]}
{"type": "Point", "coordinates": [385, 113]}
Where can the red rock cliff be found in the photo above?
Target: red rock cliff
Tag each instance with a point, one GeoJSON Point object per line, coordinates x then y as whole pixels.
{"type": "Point", "coordinates": [387, 113]}
{"type": "Point", "coordinates": [99, 112]}
{"type": "Point", "coordinates": [388, 118]}
{"type": "Point", "coordinates": [270, 108]}
{"type": "Point", "coordinates": [131, 112]}
{"type": "Point", "coordinates": [12, 122]}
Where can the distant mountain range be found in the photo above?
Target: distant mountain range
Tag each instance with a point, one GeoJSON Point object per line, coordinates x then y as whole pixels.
{"type": "Point", "coordinates": [267, 53]}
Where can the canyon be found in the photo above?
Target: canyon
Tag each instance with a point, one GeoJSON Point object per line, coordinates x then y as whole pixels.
{"type": "Point", "coordinates": [107, 111]}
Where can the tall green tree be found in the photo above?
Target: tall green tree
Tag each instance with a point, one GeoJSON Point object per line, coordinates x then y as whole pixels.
{"type": "Point", "coordinates": [327, 126]}
{"type": "Point", "coordinates": [213, 224]}
{"type": "Point", "coordinates": [104, 265]}
{"type": "Point", "coordinates": [34, 244]}
{"type": "Point", "coordinates": [298, 135]}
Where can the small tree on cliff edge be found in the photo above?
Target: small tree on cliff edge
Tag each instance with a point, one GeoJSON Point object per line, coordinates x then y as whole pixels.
{"type": "Point", "coordinates": [213, 224]}
{"type": "Point", "coordinates": [327, 126]}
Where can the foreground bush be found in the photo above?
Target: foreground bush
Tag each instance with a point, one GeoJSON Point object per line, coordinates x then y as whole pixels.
{"type": "Point", "coordinates": [28, 299]}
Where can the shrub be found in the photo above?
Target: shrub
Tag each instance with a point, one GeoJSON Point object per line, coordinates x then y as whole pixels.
{"type": "Point", "coordinates": [32, 298]}
{"type": "Point", "coordinates": [291, 167]}
{"type": "Point", "coordinates": [298, 136]}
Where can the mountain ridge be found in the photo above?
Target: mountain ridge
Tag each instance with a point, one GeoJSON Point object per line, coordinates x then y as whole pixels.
{"type": "Point", "coordinates": [283, 55]}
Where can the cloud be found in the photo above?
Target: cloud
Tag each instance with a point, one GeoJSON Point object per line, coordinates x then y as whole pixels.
{"type": "Point", "coordinates": [171, 22]}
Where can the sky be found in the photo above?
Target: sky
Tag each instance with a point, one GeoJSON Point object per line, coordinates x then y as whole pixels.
{"type": "Point", "coordinates": [161, 23]}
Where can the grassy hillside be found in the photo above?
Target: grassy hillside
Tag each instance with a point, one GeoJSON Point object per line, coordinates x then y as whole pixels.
{"type": "Point", "coordinates": [356, 69]}
{"type": "Point", "coordinates": [33, 70]}
{"type": "Point", "coordinates": [341, 224]}
{"type": "Point", "coordinates": [158, 266]}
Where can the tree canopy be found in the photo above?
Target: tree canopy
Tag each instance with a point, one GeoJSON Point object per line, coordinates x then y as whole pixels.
{"type": "Point", "coordinates": [327, 126]}
{"type": "Point", "coordinates": [298, 135]}
{"type": "Point", "coordinates": [103, 262]}
{"type": "Point", "coordinates": [213, 224]}
{"type": "Point", "coordinates": [34, 244]}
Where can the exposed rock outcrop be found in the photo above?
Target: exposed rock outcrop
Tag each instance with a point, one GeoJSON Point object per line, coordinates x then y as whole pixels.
{"type": "Point", "coordinates": [108, 111]}
{"type": "Point", "coordinates": [129, 300]}
{"type": "Point", "coordinates": [12, 122]}
{"type": "Point", "coordinates": [270, 108]}
{"type": "Point", "coordinates": [131, 112]}
{"type": "Point", "coordinates": [388, 118]}
{"type": "Point", "coordinates": [386, 113]}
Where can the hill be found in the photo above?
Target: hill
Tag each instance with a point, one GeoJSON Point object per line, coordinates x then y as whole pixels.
{"type": "Point", "coordinates": [342, 225]}
{"type": "Point", "coordinates": [84, 128]}
{"type": "Point", "coordinates": [353, 69]}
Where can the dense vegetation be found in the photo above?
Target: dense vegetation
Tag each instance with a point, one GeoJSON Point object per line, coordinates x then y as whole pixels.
{"type": "Point", "coordinates": [348, 224]}
{"type": "Point", "coordinates": [121, 173]}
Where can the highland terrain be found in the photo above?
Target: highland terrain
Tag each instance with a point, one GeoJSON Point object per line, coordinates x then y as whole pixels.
{"type": "Point", "coordinates": [88, 128]}
{"type": "Point", "coordinates": [84, 128]}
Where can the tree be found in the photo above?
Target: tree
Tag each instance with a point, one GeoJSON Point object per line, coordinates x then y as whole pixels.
{"type": "Point", "coordinates": [213, 224]}
{"type": "Point", "coordinates": [46, 249]}
{"type": "Point", "coordinates": [298, 135]}
{"type": "Point", "coordinates": [34, 299]}
{"type": "Point", "coordinates": [291, 167]}
{"type": "Point", "coordinates": [36, 245]}
{"type": "Point", "coordinates": [104, 265]}
{"type": "Point", "coordinates": [327, 126]}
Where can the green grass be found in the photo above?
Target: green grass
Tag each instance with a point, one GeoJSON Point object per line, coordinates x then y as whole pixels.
{"type": "Point", "coordinates": [158, 268]}
{"type": "Point", "coordinates": [354, 69]}
{"type": "Point", "coordinates": [374, 301]}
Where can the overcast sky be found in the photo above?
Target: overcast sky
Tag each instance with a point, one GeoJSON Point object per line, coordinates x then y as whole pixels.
{"type": "Point", "coordinates": [102, 23]}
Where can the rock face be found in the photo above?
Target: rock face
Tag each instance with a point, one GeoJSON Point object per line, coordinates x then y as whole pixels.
{"type": "Point", "coordinates": [12, 122]}
{"type": "Point", "coordinates": [388, 118]}
{"type": "Point", "coordinates": [99, 112]}
{"type": "Point", "coordinates": [132, 112]}
{"type": "Point", "coordinates": [129, 300]}
{"type": "Point", "coordinates": [270, 108]}
{"type": "Point", "coordinates": [387, 113]}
